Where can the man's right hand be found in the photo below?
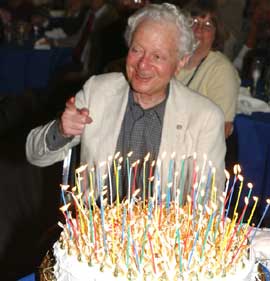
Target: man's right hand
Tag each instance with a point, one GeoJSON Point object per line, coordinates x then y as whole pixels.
{"type": "Point", "coordinates": [74, 120]}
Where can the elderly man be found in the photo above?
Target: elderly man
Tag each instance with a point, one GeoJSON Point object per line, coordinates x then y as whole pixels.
{"type": "Point", "coordinates": [149, 111]}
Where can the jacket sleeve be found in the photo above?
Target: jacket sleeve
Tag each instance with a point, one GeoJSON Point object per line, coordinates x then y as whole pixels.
{"type": "Point", "coordinates": [37, 151]}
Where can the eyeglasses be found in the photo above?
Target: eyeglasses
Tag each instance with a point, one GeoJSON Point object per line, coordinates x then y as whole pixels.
{"type": "Point", "coordinates": [207, 26]}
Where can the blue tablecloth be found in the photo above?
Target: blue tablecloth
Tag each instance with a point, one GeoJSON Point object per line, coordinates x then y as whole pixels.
{"type": "Point", "coordinates": [22, 68]}
{"type": "Point", "coordinates": [253, 137]}
{"type": "Point", "coordinates": [30, 277]}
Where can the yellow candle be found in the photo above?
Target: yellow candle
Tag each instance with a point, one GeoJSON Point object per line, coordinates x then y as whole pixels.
{"type": "Point", "coordinates": [253, 210]}
{"type": "Point", "coordinates": [213, 193]}
{"type": "Point", "coordinates": [239, 193]}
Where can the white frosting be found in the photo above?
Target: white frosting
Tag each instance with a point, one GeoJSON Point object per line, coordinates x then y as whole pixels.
{"type": "Point", "coordinates": [69, 268]}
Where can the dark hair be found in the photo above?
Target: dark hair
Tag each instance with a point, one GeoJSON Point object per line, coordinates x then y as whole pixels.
{"type": "Point", "coordinates": [202, 8]}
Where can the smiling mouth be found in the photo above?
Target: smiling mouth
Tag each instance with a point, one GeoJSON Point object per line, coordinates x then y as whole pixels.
{"type": "Point", "coordinates": [143, 77]}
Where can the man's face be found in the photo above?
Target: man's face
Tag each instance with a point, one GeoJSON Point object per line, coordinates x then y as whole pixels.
{"type": "Point", "coordinates": [204, 31]}
{"type": "Point", "coordinates": [152, 58]}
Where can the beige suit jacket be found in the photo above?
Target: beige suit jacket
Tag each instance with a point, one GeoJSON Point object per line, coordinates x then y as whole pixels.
{"type": "Point", "coordinates": [192, 123]}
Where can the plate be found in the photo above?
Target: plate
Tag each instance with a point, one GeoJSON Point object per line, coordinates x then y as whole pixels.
{"type": "Point", "coordinates": [265, 273]}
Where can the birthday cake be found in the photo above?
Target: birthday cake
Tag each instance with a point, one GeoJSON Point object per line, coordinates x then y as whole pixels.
{"type": "Point", "coordinates": [161, 237]}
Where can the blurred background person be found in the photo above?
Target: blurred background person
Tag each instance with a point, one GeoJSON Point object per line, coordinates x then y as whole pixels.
{"type": "Point", "coordinates": [19, 10]}
{"type": "Point", "coordinates": [208, 71]}
{"type": "Point", "coordinates": [231, 12]}
{"type": "Point", "coordinates": [257, 13]}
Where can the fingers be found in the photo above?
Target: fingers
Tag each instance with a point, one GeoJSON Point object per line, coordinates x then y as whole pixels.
{"type": "Point", "coordinates": [73, 120]}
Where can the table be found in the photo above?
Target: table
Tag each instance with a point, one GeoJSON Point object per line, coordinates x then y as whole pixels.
{"type": "Point", "coordinates": [253, 141]}
{"type": "Point", "coordinates": [24, 67]}
{"type": "Point", "coordinates": [30, 277]}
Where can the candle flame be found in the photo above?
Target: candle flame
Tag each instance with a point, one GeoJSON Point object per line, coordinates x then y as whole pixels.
{"type": "Point", "coordinates": [64, 208]}
{"type": "Point", "coordinates": [227, 174]}
{"type": "Point", "coordinates": [146, 158]}
{"type": "Point", "coordinates": [64, 186]}
{"type": "Point", "coordinates": [240, 177]}
{"type": "Point", "coordinates": [255, 198]}
{"type": "Point", "coordinates": [235, 169]}
{"type": "Point", "coordinates": [163, 155]}
{"type": "Point", "coordinates": [222, 199]}
{"type": "Point", "coordinates": [268, 201]}
{"type": "Point", "coordinates": [61, 225]}
{"type": "Point", "coordinates": [136, 192]}
{"type": "Point", "coordinates": [101, 164]}
{"type": "Point", "coordinates": [120, 160]}
{"type": "Point", "coordinates": [238, 168]}
{"type": "Point", "coordinates": [173, 155]}
{"type": "Point", "coordinates": [130, 153]}
{"type": "Point", "coordinates": [151, 179]}
{"type": "Point", "coordinates": [246, 200]}
{"type": "Point", "coordinates": [250, 185]}
{"type": "Point", "coordinates": [194, 155]}
{"type": "Point", "coordinates": [81, 168]}
{"type": "Point", "coordinates": [116, 155]}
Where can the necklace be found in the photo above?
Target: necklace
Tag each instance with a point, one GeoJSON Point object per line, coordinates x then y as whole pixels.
{"type": "Point", "coordinates": [195, 71]}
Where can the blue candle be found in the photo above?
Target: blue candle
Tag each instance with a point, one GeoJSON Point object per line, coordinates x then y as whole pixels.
{"type": "Point", "coordinates": [261, 220]}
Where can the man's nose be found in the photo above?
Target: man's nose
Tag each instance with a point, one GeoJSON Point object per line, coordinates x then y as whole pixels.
{"type": "Point", "coordinates": [144, 61]}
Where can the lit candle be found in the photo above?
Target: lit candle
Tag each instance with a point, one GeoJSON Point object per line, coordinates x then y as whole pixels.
{"type": "Point", "coordinates": [129, 181]}
{"type": "Point", "coordinates": [211, 213]}
{"type": "Point", "coordinates": [168, 197]}
{"type": "Point", "coordinates": [146, 158]}
{"type": "Point", "coordinates": [202, 171]}
{"type": "Point", "coordinates": [239, 193]}
{"type": "Point", "coordinates": [152, 252]}
{"type": "Point", "coordinates": [179, 250]}
{"type": "Point", "coordinates": [208, 183]}
{"type": "Point", "coordinates": [182, 181]}
{"type": "Point", "coordinates": [91, 225]}
{"type": "Point", "coordinates": [227, 174]}
{"type": "Point", "coordinates": [237, 226]}
{"type": "Point", "coordinates": [110, 177]}
{"type": "Point", "coordinates": [213, 188]}
{"type": "Point", "coordinates": [150, 179]}
{"type": "Point", "coordinates": [250, 186]}
{"type": "Point", "coordinates": [92, 171]}
{"type": "Point", "coordinates": [124, 222]}
{"type": "Point", "coordinates": [135, 175]}
{"type": "Point", "coordinates": [229, 196]}
{"type": "Point", "coordinates": [261, 219]}
{"type": "Point", "coordinates": [253, 210]}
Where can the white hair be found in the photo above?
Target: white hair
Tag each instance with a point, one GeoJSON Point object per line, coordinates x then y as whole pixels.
{"type": "Point", "coordinates": [165, 13]}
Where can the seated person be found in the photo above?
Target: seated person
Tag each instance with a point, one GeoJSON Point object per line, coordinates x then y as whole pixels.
{"type": "Point", "coordinates": [258, 30]}
{"type": "Point", "coordinates": [19, 10]}
{"type": "Point", "coordinates": [208, 71]}
{"type": "Point", "coordinates": [146, 111]}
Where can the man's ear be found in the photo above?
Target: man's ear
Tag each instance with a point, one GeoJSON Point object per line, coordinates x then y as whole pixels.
{"type": "Point", "coordinates": [182, 62]}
